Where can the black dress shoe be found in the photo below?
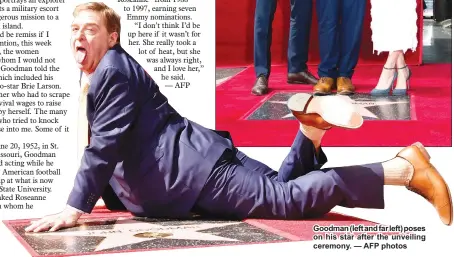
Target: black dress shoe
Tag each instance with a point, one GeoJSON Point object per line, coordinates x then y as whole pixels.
{"type": "Point", "coordinates": [303, 77]}
{"type": "Point", "coordinates": [261, 86]}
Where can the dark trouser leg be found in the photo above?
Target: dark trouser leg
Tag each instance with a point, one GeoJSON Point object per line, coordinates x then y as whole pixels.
{"type": "Point", "coordinates": [350, 35]}
{"type": "Point", "coordinates": [264, 15]}
{"type": "Point", "coordinates": [300, 27]}
{"type": "Point", "coordinates": [233, 191]}
{"type": "Point", "coordinates": [328, 26]}
{"type": "Point", "coordinates": [111, 200]}
{"type": "Point", "coordinates": [300, 160]}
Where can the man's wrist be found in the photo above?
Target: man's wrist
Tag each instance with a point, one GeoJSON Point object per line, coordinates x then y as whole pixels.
{"type": "Point", "coordinates": [74, 210]}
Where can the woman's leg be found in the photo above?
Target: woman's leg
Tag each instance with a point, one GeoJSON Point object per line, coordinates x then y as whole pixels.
{"type": "Point", "coordinates": [387, 77]}
{"type": "Point", "coordinates": [394, 30]}
{"type": "Point", "coordinates": [403, 72]}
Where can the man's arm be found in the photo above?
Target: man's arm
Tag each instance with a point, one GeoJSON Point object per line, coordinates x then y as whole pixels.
{"type": "Point", "coordinates": [114, 105]}
{"type": "Point", "coordinates": [114, 113]}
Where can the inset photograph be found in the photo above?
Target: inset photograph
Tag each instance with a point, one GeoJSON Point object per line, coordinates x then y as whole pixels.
{"type": "Point", "coordinates": [389, 62]}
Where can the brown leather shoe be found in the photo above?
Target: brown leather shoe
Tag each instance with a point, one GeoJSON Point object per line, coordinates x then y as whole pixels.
{"type": "Point", "coordinates": [324, 112]}
{"type": "Point", "coordinates": [324, 86]}
{"type": "Point", "coordinates": [345, 86]}
{"type": "Point", "coordinates": [261, 86]}
{"type": "Point", "coordinates": [427, 182]}
{"type": "Point", "coordinates": [303, 77]}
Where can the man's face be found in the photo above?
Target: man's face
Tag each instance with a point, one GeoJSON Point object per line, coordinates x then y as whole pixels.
{"type": "Point", "coordinates": [90, 40]}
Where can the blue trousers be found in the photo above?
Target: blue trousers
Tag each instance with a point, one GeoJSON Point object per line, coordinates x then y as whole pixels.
{"type": "Point", "coordinates": [340, 25]}
{"type": "Point", "coordinates": [298, 46]}
{"type": "Point", "coordinates": [240, 187]}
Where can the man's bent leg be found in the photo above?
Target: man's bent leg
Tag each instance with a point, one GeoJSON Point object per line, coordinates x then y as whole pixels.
{"type": "Point", "coordinates": [232, 191]}
{"type": "Point", "coordinates": [300, 160]}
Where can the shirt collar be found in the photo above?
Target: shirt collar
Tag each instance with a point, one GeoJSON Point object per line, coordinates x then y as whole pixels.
{"type": "Point", "coordinates": [86, 78]}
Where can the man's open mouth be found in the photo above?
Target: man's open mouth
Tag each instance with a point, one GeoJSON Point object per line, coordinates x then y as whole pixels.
{"type": "Point", "coordinates": [81, 54]}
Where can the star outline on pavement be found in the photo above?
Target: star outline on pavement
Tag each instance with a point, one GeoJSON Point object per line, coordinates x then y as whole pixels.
{"type": "Point", "coordinates": [125, 232]}
{"type": "Point", "coordinates": [360, 103]}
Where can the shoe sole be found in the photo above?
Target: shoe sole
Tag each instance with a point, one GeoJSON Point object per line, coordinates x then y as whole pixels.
{"type": "Point", "coordinates": [450, 200]}
{"type": "Point", "coordinates": [333, 109]}
{"type": "Point", "coordinates": [257, 94]}
{"type": "Point", "coordinates": [322, 93]}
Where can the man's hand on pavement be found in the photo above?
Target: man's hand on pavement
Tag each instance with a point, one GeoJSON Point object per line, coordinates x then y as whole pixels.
{"type": "Point", "coordinates": [65, 219]}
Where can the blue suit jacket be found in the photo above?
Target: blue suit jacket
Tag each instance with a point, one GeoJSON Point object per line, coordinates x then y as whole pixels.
{"type": "Point", "coordinates": [155, 161]}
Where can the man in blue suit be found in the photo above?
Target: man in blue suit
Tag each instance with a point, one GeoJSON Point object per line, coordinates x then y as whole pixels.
{"type": "Point", "coordinates": [298, 44]}
{"type": "Point", "coordinates": [160, 164]}
{"type": "Point", "coordinates": [340, 25]}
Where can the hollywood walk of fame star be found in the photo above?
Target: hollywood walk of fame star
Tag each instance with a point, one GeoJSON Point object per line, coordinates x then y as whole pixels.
{"type": "Point", "coordinates": [126, 232]}
{"type": "Point", "coordinates": [220, 81]}
{"type": "Point", "coordinates": [360, 104]}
